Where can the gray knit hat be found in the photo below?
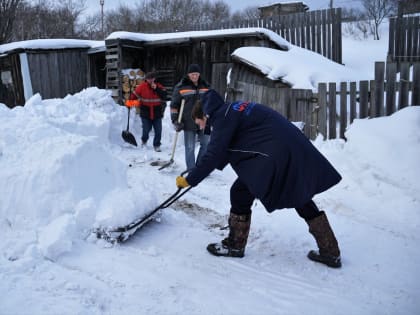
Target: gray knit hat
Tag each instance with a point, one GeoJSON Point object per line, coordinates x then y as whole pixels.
{"type": "Point", "coordinates": [193, 68]}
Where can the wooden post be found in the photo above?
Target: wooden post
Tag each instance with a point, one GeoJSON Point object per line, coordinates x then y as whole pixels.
{"type": "Point", "coordinates": [372, 99]}
{"type": "Point", "coordinates": [322, 103]}
{"type": "Point", "coordinates": [364, 98]}
{"type": "Point", "coordinates": [353, 112]}
{"type": "Point", "coordinates": [343, 109]}
{"type": "Point", "coordinates": [332, 113]}
{"type": "Point", "coordinates": [324, 26]}
{"type": "Point", "coordinates": [337, 37]}
{"type": "Point", "coordinates": [318, 32]}
{"type": "Point", "coordinates": [404, 85]}
{"type": "Point", "coordinates": [391, 74]}
{"type": "Point", "coordinates": [378, 105]}
{"type": "Point", "coordinates": [415, 96]}
{"type": "Point", "coordinates": [391, 39]}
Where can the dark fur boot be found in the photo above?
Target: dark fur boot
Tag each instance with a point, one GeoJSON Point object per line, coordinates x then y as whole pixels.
{"type": "Point", "coordinates": [234, 244]}
{"type": "Point", "coordinates": [328, 253]}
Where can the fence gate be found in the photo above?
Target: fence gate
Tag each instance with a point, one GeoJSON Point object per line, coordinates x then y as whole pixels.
{"type": "Point", "coordinates": [303, 108]}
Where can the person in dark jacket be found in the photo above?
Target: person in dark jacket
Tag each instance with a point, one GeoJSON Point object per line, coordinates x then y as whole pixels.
{"type": "Point", "coordinates": [189, 89]}
{"type": "Point", "coordinates": [152, 96]}
{"type": "Point", "coordinates": [275, 163]}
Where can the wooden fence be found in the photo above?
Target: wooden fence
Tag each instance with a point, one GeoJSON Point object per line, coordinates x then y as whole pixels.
{"type": "Point", "coordinates": [404, 39]}
{"type": "Point", "coordinates": [379, 97]}
{"type": "Point", "coordinates": [318, 31]}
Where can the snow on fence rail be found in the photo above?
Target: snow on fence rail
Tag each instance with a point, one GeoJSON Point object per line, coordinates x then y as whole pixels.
{"type": "Point", "coordinates": [387, 93]}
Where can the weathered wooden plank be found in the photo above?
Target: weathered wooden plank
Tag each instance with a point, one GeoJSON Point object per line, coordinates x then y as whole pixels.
{"type": "Point", "coordinates": [391, 74]}
{"type": "Point", "coordinates": [404, 79]}
{"type": "Point", "coordinates": [364, 98]}
{"type": "Point", "coordinates": [324, 32]}
{"type": "Point", "coordinates": [409, 35]}
{"type": "Point", "coordinates": [378, 105]}
{"type": "Point", "coordinates": [292, 106]}
{"type": "Point", "coordinates": [322, 113]}
{"type": "Point", "coordinates": [416, 39]}
{"type": "Point", "coordinates": [400, 40]}
{"type": "Point", "coordinates": [307, 31]}
{"type": "Point", "coordinates": [404, 39]}
{"type": "Point", "coordinates": [353, 93]}
{"type": "Point", "coordinates": [302, 30]}
{"type": "Point", "coordinates": [318, 32]}
{"type": "Point", "coordinates": [337, 45]}
{"type": "Point", "coordinates": [328, 38]}
{"type": "Point", "coordinates": [391, 39]}
{"type": "Point", "coordinates": [416, 85]}
{"type": "Point", "coordinates": [372, 97]}
{"type": "Point", "coordinates": [332, 111]}
{"type": "Point", "coordinates": [313, 30]}
{"type": "Point", "coordinates": [343, 109]}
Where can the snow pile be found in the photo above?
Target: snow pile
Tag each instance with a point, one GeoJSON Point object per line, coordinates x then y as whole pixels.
{"type": "Point", "coordinates": [299, 67]}
{"type": "Point", "coordinates": [60, 173]}
{"type": "Point", "coordinates": [366, 144]}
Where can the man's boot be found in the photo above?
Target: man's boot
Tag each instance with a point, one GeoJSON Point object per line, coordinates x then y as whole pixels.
{"type": "Point", "coordinates": [234, 244]}
{"type": "Point", "coordinates": [328, 253]}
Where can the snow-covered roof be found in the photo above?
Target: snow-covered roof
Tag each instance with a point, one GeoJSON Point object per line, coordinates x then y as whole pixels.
{"type": "Point", "coordinates": [182, 36]}
{"type": "Point", "coordinates": [48, 44]}
{"type": "Point", "coordinates": [282, 3]}
{"type": "Point", "coordinates": [298, 67]}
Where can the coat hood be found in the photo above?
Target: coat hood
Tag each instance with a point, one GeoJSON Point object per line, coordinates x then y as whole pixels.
{"type": "Point", "coordinates": [211, 101]}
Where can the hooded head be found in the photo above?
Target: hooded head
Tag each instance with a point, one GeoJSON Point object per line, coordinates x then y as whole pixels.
{"type": "Point", "coordinates": [211, 101]}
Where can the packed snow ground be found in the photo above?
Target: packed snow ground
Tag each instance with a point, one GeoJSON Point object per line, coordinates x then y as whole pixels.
{"type": "Point", "coordinates": [65, 170]}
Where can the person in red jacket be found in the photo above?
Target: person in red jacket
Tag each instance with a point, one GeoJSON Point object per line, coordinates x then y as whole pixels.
{"type": "Point", "coordinates": [152, 96]}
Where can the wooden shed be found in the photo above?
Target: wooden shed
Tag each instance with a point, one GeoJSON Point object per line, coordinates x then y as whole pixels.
{"type": "Point", "coordinates": [170, 54]}
{"type": "Point", "coordinates": [51, 67]}
{"type": "Point", "coordinates": [282, 8]}
{"type": "Point", "coordinates": [248, 83]}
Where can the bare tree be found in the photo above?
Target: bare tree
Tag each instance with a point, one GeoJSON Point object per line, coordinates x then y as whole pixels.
{"type": "Point", "coordinates": [67, 13]}
{"type": "Point", "coordinates": [249, 13]}
{"type": "Point", "coordinates": [167, 15]}
{"type": "Point", "coordinates": [376, 11]}
{"type": "Point", "coordinates": [90, 27]}
{"type": "Point", "coordinates": [123, 18]}
{"type": "Point", "coordinates": [8, 10]}
{"type": "Point", "coordinates": [212, 12]}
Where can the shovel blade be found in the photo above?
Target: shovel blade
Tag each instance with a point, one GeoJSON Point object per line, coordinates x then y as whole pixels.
{"type": "Point", "coordinates": [129, 137]}
{"type": "Point", "coordinates": [166, 165]}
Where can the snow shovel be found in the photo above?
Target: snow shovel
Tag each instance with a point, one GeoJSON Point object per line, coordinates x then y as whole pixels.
{"type": "Point", "coordinates": [126, 134]}
{"type": "Point", "coordinates": [181, 110]}
{"type": "Point", "coordinates": [121, 234]}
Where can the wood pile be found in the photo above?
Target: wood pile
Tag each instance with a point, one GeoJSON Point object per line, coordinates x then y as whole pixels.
{"type": "Point", "coordinates": [130, 79]}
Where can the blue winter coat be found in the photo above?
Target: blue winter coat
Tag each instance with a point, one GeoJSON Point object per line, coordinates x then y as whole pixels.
{"type": "Point", "coordinates": [276, 161]}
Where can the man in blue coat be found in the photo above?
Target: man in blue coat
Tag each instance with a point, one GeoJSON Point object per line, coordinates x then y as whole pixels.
{"type": "Point", "coordinates": [275, 163]}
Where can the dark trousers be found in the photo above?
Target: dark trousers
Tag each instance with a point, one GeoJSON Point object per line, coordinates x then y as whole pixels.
{"type": "Point", "coordinates": [241, 201]}
{"type": "Point", "coordinates": [147, 126]}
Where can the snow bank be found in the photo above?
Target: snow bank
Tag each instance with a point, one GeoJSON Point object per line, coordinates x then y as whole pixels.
{"type": "Point", "coordinates": [63, 177]}
{"type": "Point", "coordinates": [378, 141]}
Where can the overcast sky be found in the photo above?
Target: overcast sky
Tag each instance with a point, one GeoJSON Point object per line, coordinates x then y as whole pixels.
{"type": "Point", "coordinates": [93, 6]}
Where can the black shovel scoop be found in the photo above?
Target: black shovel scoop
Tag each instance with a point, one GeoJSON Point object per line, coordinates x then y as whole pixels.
{"type": "Point", "coordinates": [127, 135]}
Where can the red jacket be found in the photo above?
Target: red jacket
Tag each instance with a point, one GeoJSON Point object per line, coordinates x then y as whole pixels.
{"type": "Point", "coordinates": [151, 100]}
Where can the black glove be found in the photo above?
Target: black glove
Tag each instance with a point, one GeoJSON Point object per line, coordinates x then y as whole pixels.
{"type": "Point", "coordinates": [178, 126]}
{"type": "Point", "coordinates": [174, 117]}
